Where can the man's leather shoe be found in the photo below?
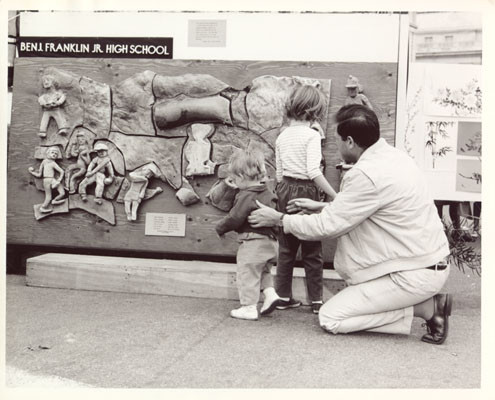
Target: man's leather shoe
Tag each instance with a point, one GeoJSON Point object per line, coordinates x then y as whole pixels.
{"type": "Point", "coordinates": [438, 325]}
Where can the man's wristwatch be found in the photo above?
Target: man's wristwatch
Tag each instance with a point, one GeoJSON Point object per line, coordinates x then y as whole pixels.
{"type": "Point", "coordinates": [280, 222]}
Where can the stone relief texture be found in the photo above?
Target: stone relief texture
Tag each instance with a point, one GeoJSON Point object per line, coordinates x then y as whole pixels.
{"type": "Point", "coordinates": [155, 127]}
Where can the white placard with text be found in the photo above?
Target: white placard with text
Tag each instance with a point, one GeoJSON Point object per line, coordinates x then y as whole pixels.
{"type": "Point", "coordinates": [160, 224]}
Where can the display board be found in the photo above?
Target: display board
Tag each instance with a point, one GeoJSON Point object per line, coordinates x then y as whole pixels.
{"type": "Point", "coordinates": [443, 129]}
{"type": "Point", "coordinates": [117, 102]}
{"type": "Point", "coordinates": [144, 142]}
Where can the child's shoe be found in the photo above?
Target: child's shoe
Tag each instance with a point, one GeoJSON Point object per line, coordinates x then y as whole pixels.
{"type": "Point", "coordinates": [271, 301]}
{"type": "Point", "coordinates": [316, 305]}
{"type": "Point", "coordinates": [245, 312]}
{"type": "Point", "coordinates": [291, 303]}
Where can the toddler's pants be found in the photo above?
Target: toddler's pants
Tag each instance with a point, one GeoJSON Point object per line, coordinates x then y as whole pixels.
{"type": "Point", "coordinates": [256, 255]}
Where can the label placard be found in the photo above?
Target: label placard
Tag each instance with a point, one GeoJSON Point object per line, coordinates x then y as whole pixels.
{"type": "Point", "coordinates": [207, 33]}
{"type": "Point", "coordinates": [159, 224]}
{"type": "Point", "coordinates": [88, 47]}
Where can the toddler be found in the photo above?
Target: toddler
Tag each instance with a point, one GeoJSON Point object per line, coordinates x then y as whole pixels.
{"type": "Point", "coordinates": [258, 246]}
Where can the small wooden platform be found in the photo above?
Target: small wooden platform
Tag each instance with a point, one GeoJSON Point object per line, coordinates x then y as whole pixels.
{"type": "Point", "coordinates": [151, 276]}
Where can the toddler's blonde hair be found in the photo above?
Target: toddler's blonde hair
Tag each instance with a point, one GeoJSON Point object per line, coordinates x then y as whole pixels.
{"type": "Point", "coordinates": [249, 164]}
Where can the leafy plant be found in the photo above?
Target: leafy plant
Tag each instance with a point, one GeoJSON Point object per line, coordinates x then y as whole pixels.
{"type": "Point", "coordinates": [462, 253]}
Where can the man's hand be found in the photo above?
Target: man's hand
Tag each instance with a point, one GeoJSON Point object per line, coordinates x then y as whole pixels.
{"type": "Point", "coordinates": [306, 206]}
{"type": "Point", "coordinates": [264, 216]}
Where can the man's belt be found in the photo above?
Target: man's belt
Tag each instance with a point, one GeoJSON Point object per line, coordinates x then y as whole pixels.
{"type": "Point", "coordinates": [438, 267]}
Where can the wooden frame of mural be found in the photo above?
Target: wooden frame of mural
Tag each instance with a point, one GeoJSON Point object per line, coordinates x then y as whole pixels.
{"type": "Point", "coordinates": [138, 137]}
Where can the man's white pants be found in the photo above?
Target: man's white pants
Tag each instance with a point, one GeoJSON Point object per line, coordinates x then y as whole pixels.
{"type": "Point", "coordinates": [385, 304]}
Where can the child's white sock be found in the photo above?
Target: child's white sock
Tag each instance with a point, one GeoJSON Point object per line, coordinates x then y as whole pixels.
{"type": "Point", "coordinates": [271, 301]}
{"type": "Point", "coordinates": [269, 291]}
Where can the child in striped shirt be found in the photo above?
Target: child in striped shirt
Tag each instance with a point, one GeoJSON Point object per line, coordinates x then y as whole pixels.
{"type": "Point", "coordinates": [298, 157]}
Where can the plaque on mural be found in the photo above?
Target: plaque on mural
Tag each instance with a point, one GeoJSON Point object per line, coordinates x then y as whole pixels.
{"type": "Point", "coordinates": [160, 224]}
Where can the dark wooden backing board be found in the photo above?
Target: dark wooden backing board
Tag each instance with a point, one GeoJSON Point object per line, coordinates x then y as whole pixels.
{"type": "Point", "coordinates": [84, 230]}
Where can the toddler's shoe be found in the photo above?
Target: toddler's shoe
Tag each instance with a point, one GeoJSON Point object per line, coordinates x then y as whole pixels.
{"type": "Point", "coordinates": [316, 305]}
{"type": "Point", "coordinates": [291, 303]}
{"type": "Point", "coordinates": [245, 312]}
{"type": "Point", "coordinates": [271, 301]}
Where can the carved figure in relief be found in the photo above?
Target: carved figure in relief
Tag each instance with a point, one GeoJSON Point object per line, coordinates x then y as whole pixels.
{"type": "Point", "coordinates": [355, 93]}
{"type": "Point", "coordinates": [47, 171]}
{"type": "Point", "coordinates": [139, 179]}
{"type": "Point", "coordinates": [100, 171]}
{"type": "Point", "coordinates": [166, 121]}
{"type": "Point", "coordinates": [198, 149]}
{"type": "Point", "coordinates": [80, 149]}
{"type": "Point", "coordinates": [51, 102]}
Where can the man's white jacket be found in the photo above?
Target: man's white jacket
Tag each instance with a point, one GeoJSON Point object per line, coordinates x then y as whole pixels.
{"type": "Point", "coordinates": [384, 218]}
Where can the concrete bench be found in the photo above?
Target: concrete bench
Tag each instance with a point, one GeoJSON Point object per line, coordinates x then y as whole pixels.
{"type": "Point", "coordinates": [152, 276]}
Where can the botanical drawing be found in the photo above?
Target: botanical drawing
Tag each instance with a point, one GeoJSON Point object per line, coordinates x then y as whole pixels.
{"type": "Point", "coordinates": [410, 129]}
{"type": "Point", "coordinates": [435, 131]}
{"type": "Point", "coordinates": [468, 175]}
{"type": "Point", "coordinates": [466, 100]}
{"type": "Point", "coordinates": [469, 138]}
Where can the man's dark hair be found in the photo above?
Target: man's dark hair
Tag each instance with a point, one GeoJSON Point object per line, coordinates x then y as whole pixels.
{"type": "Point", "coordinates": [359, 122]}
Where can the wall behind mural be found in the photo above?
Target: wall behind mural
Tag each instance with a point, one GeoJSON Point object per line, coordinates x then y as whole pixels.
{"type": "Point", "coordinates": [138, 137]}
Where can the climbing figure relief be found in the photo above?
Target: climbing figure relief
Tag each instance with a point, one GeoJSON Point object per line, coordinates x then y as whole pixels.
{"type": "Point", "coordinates": [100, 171]}
{"type": "Point", "coordinates": [48, 171]}
{"type": "Point", "coordinates": [51, 102]}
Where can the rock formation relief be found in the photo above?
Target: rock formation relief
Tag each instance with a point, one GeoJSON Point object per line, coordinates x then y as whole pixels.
{"type": "Point", "coordinates": [116, 140]}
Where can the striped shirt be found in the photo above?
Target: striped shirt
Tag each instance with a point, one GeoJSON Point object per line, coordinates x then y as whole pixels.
{"type": "Point", "coordinates": [298, 153]}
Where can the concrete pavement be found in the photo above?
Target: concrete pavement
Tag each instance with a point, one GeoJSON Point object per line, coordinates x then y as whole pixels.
{"type": "Point", "coordinates": [58, 337]}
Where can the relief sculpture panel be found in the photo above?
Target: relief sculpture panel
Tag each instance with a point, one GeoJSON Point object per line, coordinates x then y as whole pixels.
{"type": "Point", "coordinates": [110, 142]}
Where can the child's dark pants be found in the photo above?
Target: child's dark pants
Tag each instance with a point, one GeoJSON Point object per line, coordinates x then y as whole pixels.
{"type": "Point", "coordinates": [311, 252]}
